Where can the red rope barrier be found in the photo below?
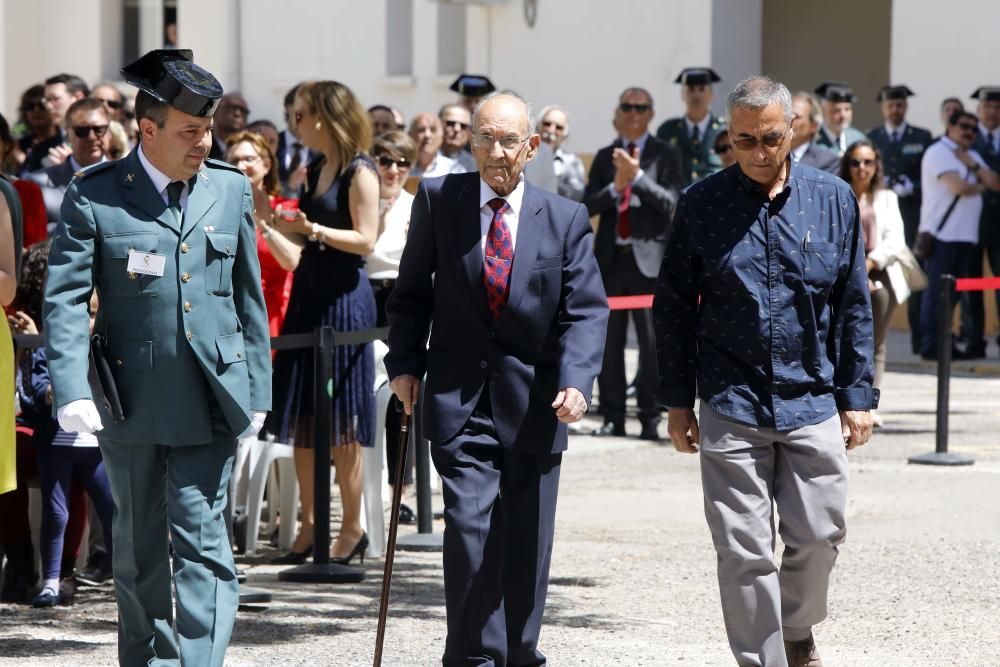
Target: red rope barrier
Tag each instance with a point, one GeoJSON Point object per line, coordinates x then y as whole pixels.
{"type": "Point", "coordinates": [630, 302]}
{"type": "Point", "coordinates": [975, 284]}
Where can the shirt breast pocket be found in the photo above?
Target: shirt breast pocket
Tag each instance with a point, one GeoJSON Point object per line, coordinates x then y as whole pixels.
{"type": "Point", "coordinates": [820, 260]}
{"type": "Point", "coordinates": [220, 255]}
{"type": "Point", "coordinates": [116, 278]}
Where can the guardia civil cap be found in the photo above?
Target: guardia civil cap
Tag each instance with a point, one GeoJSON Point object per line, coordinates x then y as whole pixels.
{"type": "Point", "coordinates": [987, 94]}
{"type": "Point", "coordinates": [697, 76]}
{"type": "Point", "coordinates": [899, 92]}
{"type": "Point", "coordinates": [835, 91]}
{"type": "Point", "coordinates": [472, 85]}
{"type": "Point", "coordinates": [171, 76]}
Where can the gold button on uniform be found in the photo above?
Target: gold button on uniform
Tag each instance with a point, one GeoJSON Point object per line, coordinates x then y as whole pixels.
{"type": "Point", "coordinates": [187, 306]}
{"type": "Point", "coordinates": [185, 277]}
{"type": "Point", "coordinates": [239, 355]}
{"type": "Point", "coordinates": [185, 247]}
{"type": "Point", "coordinates": [131, 275]}
{"type": "Point", "coordinates": [190, 335]}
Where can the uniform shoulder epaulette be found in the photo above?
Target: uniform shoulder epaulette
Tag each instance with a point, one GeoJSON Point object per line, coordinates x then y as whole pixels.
{"type": "Point", "coordinates": [87, 172]}
{"type": "Point", "coordinates": [219, 164]}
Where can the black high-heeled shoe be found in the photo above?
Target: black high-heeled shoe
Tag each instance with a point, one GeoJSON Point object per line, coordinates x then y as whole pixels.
{"type": "Point", "coordinates": [358, 550]}
{"type": "Point", "coordinates": [293, 557]}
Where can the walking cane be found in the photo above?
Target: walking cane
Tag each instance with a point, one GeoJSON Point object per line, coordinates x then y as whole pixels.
{"type": "Point", "coordinates": [390, 550]}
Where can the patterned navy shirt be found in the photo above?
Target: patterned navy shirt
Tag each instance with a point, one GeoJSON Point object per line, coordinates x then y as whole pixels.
{"type": "Point", "coordinates": [766, 303]}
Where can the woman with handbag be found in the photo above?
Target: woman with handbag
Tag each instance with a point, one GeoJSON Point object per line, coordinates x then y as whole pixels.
{"type": "Point", "coordinates": [885, 248]}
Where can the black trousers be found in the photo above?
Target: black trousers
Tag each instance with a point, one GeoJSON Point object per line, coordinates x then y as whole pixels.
{"type": "Point", "coordinates": [973, 308]}
{"type": "Point", "coordinates": [625, 279]}
{"type": "Point", "coordinates": [909, 208]}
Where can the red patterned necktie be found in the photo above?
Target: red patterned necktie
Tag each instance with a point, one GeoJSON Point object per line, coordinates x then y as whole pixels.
{"type": "Point", "coordinates": [624, 223]}
{"type": "Point", "coordinates": [498, 256]}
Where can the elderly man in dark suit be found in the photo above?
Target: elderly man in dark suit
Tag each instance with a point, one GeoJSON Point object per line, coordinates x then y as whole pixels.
{"type": "Point", "coordinates": [87, 128]}
{"type": "Point", "coordinates": [806, 119]}
{"type": "Point", "coordinates": [633, 186]}
{"type": "Point", "coordinates": [501, 274]}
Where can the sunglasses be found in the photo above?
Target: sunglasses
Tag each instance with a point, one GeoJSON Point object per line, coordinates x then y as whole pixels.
{"type": "Point", "coordinates": [855, 163]}
{"type": "Point", "coordinates": [722, 149]}
{"type": "Point", "coordinates": [83, 131]}
{"type": "Point", "coordinates": [553, 124]}
{"type": "Point", "coordinates": [769, 140]}
{"type": "Point", "coordinates": [968, 127]}
{"type": "Point", "coordinates": [111, 104]}
{"type": "Point", "coordinates": [38, 105]}
{"type": "Point", "coordinates": [387, 162]}
{"type": "Point", "coordinates": [457, 124]}
{"type": "Point", "coordinates": [627, 107]}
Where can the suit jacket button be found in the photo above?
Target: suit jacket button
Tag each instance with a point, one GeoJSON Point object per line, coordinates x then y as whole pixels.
{"type": "Point", "coordinates": [185, 277]}
{"type": "Point", "coordinates": [483, 364]}
{"type": "Point", "coordinates": [187, 306]}
{"type": "Point", "coordinates": [185, 247]}
{"type": "Point", "coordinates": [118, 362]}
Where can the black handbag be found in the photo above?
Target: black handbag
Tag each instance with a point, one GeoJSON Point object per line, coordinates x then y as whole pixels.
{"type": "Point", "coordinates": [923, 245]}
{"type": "Point", "coordinates": [102, 380]}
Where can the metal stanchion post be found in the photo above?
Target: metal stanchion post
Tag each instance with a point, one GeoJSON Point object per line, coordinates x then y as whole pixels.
{"type": "Point", "coordinates": [321, 570]}
{"type": "Point", "coordinates": [940, 456]}
{"type": "Point", "coordinates": [425, 539]}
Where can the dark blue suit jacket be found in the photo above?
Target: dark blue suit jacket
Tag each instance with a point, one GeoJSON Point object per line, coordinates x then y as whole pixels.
{"type": "Point", "coordinates": [549, 336]}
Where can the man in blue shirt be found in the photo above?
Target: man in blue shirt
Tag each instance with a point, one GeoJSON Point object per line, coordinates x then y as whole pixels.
{"type": "Point", "coordinates": [763, 303]}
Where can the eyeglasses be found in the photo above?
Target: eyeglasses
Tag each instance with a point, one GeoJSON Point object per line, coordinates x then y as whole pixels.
{"type": "Point", "coordinates": [553, 124]}
{"type": "Point", "coordinates": [968, 127]}
{"type": "Point", "coordinates": [37, 105]}
{"type": "Point", "coordinates": [626, 107]}
{"type": "Point", "coordinates": [769, 140]}
{"type": "Point", "coordinates": [244, 159]}
{"type": "Point", "coordinates": [387, 162]}
{"type": "Point", "coordinates": [111, 104]}
{"type": "Point", "coordinates": [457, 124]}
{"type": "Point", "coordinates": [83, 131]}
{"type": "Point", "coordinates": [722, 149]}
{"type": "Point", "coordinates": [507, 143]}
{"type": "Point", "coordinates": [855, 163]}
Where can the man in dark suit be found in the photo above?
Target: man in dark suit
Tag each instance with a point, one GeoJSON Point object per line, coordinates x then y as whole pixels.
{"type": "Point", "coordinates": [694, 133]}
{"type": "Point", "coordinates": [807, 116]}
{"type": "Point", "coordinates": [87, 128]}
{"type": "Point", "coordinates": [293, 157]}
{"type": "Point", "coordinates": [502, 275]}
{"type": "Point", "coordinates": [902, 147]}
{"type": "Point", "coordinates": [230, 118]}
{"type": "Point", "coordinates": [633, 186]}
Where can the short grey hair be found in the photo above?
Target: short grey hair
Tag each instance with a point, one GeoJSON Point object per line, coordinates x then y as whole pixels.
{"type": "Point", "coordinates": [756, 93]}
{"type": "Point", "coordinates": [528, 109]}
{"type": "Point", "coordinates": [553, 107]}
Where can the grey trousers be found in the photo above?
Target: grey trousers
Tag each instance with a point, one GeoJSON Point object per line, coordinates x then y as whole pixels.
{"type": "Point", "coordinates": [745, 470]}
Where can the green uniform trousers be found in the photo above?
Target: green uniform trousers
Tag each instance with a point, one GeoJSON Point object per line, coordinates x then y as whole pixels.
{"type": "Point", "coordinates": [180, 493]}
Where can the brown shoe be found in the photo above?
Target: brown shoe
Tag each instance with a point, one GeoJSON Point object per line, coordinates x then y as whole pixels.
{"type": "Point", "coordinates": [802, 653]}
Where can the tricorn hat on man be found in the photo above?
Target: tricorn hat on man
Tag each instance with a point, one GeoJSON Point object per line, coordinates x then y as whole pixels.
{"type": "Point", "coordinates": [835, 91]}
{"type": "Point", "coordinates": [171, 76]}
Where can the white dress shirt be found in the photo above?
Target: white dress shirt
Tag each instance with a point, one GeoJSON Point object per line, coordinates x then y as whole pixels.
{"type": "Point", "coordinates": [992, 137]}
{"type": "Point", "coordinates": [701, 124]}
{"type": "Point", "coordinates": [441, 165]}
{"type": "Point", "coordinates": [290, 141]}
{"type": "Point", "coordinates": [510, 216]}
{"type": "Point", "coordinates": [890, 130]}
{"type": "Point", "coordinates": [161, 180]}
{"type": "Point", "coordinates": [383, 263]}
{"type": "Point", "coordinates": [797, 153]}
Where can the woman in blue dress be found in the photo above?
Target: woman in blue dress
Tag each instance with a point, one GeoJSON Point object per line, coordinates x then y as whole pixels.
{"type": "Point", "coordinates": [338, 224]}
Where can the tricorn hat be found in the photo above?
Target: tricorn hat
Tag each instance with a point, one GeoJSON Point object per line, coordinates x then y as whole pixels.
{"type": "Point", "coordinates": [835, 91]}
{"type": "Point", "coordinates": [472, 85]}
{"type": "Point", "coordinates": [171, 76]}
{"type": "Point", "coordinates": [899, 92]}
{"type": "Point", "coordinates": [987, 94]}
{"type": "Point", "coordinates": [697, 76]}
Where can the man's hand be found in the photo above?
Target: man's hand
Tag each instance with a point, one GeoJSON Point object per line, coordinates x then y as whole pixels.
{"type": "Point", "coordinates": [297, 178]}
{"type": "Point", "coordinates": [406, 388]}
{"type": "Point", "coordinates": [59, 154]}
{"type": "Point", "coordinates": [79, 416]}
{"type": "Point", "coordinates": [856, 427]}
{"type": "Point", "coordinates": [570, 405]}
{"type": "Point", "coordinates": [626, 167]}
{"type": "Point", "coordinates": [682, 427]}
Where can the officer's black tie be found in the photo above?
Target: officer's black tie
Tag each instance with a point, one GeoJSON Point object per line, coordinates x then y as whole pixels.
{"type": "Point", "coordinates": [174, 200]}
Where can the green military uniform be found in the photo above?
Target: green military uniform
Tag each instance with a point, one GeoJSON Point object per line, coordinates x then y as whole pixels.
{"type": "Point", "coordinates": [190, 354]}
{"type": "Point", "coordinates": [698, 159]}
{"type": "Point", "coordinates": [825, 139]}
{"type": "Point", "coordinates": [836, 92]}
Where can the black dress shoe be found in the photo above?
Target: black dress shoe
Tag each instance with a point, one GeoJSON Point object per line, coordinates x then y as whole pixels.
{"type": "Point", "coordinates": [406, 515]}
{"type": "Point", "coordinates": [609, 429]}
{"type": "Point", "coordinates": [649, 432]}
{"type": "Point", "coordinates": [974, 351]}
{"type": "Point", "coordinates": [293, 557]}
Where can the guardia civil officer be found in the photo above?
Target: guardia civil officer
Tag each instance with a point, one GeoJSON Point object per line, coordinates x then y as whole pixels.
{"type": "Point", "coordinates": [694, 133]}
{"type": "Point", "coordinates": [167, 240]}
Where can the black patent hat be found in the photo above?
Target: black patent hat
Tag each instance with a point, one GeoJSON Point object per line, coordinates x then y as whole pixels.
{"type": "Point", "coordinates": [894, 93]}
{"type": "Point", "coordinates": [987, 94]}
{"type": "Point", "coordinates": [472, 85]}
{"type": "Point", "coordinates": [835, 91]}
{"type": "Point", "coordinates": [697, 76]}
{"type": "Point", "coordinates": [171, 76]}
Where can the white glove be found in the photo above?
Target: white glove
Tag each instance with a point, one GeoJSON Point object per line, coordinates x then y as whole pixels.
{"type": "Point", "coordinates": [256, 424]}
{"type": "Point", "coordinates": [79, 416]}
{"type": "Point", "coordinates": [903, 188]}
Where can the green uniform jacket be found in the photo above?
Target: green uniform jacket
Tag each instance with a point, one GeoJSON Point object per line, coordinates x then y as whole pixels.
{"type": "Point", "coordinates": [698, 159]}
{"type": "Point", "coordinates": [824, 139]}
{"type": "Point", "coordinates": [176, 341]}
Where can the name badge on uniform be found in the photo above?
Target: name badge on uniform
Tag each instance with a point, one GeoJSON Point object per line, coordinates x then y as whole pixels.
{"type": "Point", "coordinates": [146, 263]}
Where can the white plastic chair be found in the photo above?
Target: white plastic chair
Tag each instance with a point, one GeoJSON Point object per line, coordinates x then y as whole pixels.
{"type": "Point", "coordinates": [283, 497]}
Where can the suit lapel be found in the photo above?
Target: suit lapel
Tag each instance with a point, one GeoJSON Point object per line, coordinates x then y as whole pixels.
{"type": "Point", "coordinates": [525, 247]}
{"type": "Point", "coordinates": [470, 253]}
{"type": "Point", "coordinates": [200, 201]}
{"type": "Point", "coordinates": [140, 192]}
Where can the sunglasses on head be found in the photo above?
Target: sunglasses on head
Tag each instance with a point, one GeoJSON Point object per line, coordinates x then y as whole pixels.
{"type": "Point", "coordinates": [37, 105]}
{"type": "Point", "coordinates": [769, 140]}
{"type": "Point", "coordinates": [387, 162]}
{"type": "Point", "coordinates": [627, 107]}
{"type": "Point", "coordinates": [111, 104]}
{"type": "Point", "coordinates": [457, 123]}
{"type": "Point", "coordinates": [855, 162]}
{"type": "Point", "coordinates": [83, 131]}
